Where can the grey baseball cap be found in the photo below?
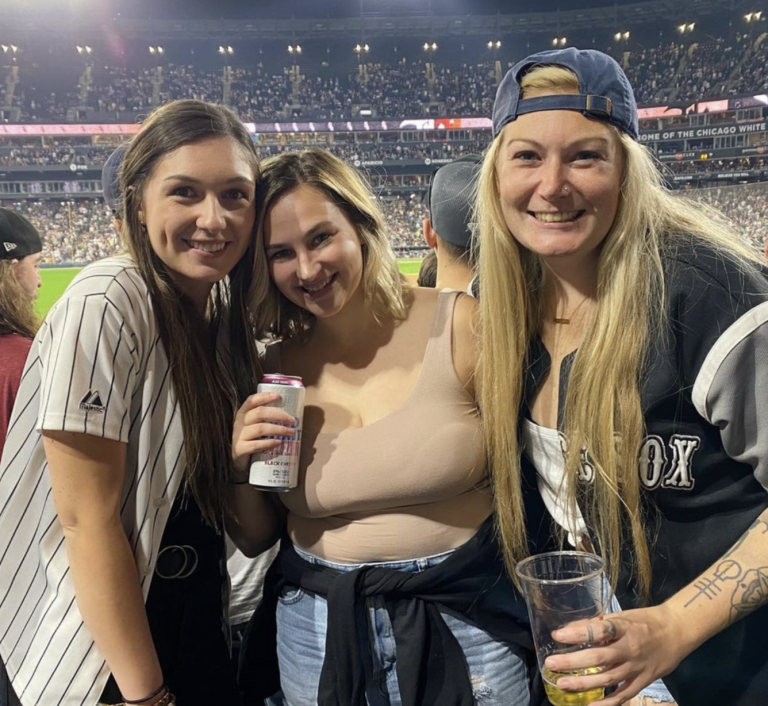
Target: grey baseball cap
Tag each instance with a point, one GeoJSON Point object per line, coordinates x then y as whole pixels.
{"type": "Point", "coordinates": [604, 90]}
{"type": "Point", "coordinates": [449, 200]}
{"type": "Point", "coordinates": [110, 180]}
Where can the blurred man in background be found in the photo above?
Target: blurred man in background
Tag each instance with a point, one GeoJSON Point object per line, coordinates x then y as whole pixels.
{"type": "Point", "coordinates": [449, 228]}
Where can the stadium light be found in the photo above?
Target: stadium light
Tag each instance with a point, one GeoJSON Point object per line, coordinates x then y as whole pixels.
{"type": "Point", "coordinates": [226, 50]}
{"type": "Point", "coordinates": [430, 46]}
{"type": "Point", "coordinates": [83, 49]}
{"type": "Point", "coordinates": [753, 16]}
{"type": "Point", "coordinates": [559, 41]}
{"type": "Point", "coordinates": [361, 48]}
{"type": "Point", "coordinates": [686, 27]}
{"type": "Point", "coordinates": [494, 44]}
{"type": "Point", "coordinates": [294, 49]}
{"type": "Point", "coordinates": [621, 36]}
{"type": "Point", "coordinates": [12, 48]}
{"type": "Point", "coordinates": [156, 50]}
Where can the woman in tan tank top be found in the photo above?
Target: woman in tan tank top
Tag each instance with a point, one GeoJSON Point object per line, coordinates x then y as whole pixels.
{"type": "Point", "coordinates": [390, 585]}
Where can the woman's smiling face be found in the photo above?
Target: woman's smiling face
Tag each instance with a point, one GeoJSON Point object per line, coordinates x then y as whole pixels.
{"type": "Point", "coordinates": [559, 176]}
{"type": "Point", "coordinates": [314, 252]}
{"type": "Point", "coordinates": [198, 206]}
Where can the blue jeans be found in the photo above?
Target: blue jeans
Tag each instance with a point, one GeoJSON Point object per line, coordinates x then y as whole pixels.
{"type": "Point", "coordinates": [497, 671]}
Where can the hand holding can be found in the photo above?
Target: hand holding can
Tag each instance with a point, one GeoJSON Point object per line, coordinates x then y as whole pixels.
{"type": "Point", "coordinates": [258, 427]}
{"type": "Point", "coordinates": [277, 469]}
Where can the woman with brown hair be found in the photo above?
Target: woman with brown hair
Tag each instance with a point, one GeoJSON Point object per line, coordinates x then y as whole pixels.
{"type": "Point", "coordinates": [625, 329]}
{"type": "Point", "coordinates": [113, 552]}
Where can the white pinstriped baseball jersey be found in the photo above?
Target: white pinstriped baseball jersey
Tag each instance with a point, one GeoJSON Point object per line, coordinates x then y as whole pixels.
{"type": "Point", "coordinates": [97, 367]}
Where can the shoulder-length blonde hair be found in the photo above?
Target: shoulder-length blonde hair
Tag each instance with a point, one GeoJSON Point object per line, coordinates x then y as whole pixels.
{"type": "Point", "coordinates": [383, 285]}
{"type": "Point", "coordinates": [602, 402]}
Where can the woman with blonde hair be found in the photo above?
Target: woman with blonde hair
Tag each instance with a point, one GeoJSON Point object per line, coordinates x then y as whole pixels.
{"type": "Point", "coordinates": [625, 329]}
{"type": "Point", "coordinates": [391, 584]}
{"type": "Point", "coordinates": [117, 466]}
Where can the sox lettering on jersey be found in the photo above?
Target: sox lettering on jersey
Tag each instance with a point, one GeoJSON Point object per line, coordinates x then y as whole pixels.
{"type": "Point", "coordinates": [665, 465]}
{"type": "Point", "coordinates": [673, 470]}
{"type": "Point", "coordinates": [586, 468]}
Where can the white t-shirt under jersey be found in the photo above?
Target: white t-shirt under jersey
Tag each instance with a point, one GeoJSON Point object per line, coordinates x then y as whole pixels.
{"type": "Point", "coordinates": [97, 367]}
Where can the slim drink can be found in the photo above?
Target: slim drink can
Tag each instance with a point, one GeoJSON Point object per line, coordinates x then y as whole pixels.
{"type": "Point", "coordinates": [278, 469]}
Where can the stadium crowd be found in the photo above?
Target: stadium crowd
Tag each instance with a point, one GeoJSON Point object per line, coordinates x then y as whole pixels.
{"type": "Point", "coordinates": [74, 231]}
{"type": "Point", "coordinates": [80, 230]}
{"type": "Point", "coordinates": [711, 166]}
{"type": "Point", "coordinates": [57, 153]}
{"type": "Point", "coordinates": [746, 205]}
{"type": "Point", "coordinates": [675, 71]}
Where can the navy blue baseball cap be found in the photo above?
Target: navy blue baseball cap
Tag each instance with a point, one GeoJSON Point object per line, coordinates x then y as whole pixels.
{"type": "Point", "coordinates": [110, 180]}
{"type": "Point", "coordinates": [604, 90]}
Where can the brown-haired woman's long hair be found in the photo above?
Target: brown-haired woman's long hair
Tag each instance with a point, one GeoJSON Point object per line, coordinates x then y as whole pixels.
{"type": "Point", "coordinates": [602, 404]}
{"type": "Point", "coordinates": [17, 308]}
{"type": "Point", "coordinates": [209, 380]}
{"type": "Point", "coordinates": [384, 287]}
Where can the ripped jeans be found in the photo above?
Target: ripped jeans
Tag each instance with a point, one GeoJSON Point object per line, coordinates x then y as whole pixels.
{"type": "Point", "coordinates": [497, 670]}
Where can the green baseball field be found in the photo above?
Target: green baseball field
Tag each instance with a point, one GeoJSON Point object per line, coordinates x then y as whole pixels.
{"type": "Point", "coordinates": [56, 279]}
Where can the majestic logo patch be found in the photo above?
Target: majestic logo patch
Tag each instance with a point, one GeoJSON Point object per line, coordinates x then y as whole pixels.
{"type": "Point", "coordinates": [10, 246]}
{"type": "Point", "coordinates": [92, 402]}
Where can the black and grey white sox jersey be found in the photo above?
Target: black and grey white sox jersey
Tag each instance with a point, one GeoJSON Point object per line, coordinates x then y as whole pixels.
{"type": "Point", "coordinates": [96, 367]}
{"type": "Point", "coordinates": [704, 460]}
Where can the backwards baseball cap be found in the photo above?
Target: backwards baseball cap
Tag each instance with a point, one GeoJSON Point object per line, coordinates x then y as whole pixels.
{"type": "Point", "coordinates": [604, 90]}
{"type": "Point", "coordinates": [449, 200]}
{"type": "Point", "coordinates": [110, 180]}
{"type": "Point", "coordinates": [18, 237]}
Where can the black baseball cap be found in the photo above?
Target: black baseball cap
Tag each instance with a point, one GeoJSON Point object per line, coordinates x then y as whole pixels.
{"type": "Point", "coordinates": [18, 237]}
{"type": "Point", "coordinates": [449, 200]}
{"type": "Point", "coordinates": [110, 180]}
{"type": "Point", "coordinates": [604, 90]}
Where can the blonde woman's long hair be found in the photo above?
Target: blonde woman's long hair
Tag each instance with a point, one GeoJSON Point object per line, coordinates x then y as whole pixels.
{"type": "Point", "coordinates": [17, 308]}
{"type": "Point", "coordinates": [611, 357]}
{"type": "Point", "coordinates": [384, 287]}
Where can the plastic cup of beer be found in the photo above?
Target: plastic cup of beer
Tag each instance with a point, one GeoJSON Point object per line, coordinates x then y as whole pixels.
{"type": "Point", "coordinates": [560, 588]}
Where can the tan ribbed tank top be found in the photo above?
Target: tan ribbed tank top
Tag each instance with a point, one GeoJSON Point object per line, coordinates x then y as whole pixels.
{"type": "Point", "coordinates": [411, 484]}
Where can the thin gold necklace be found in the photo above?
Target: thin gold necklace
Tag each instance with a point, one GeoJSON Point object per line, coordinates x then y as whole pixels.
{"type": "Point", "coordinates": [565, 321]}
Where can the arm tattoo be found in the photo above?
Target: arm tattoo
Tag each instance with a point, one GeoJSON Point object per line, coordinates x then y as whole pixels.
{"type": "Point", "coordinates": [751, 593]}
{"type": "Point", "coordinates": [751, 590]}
{"type": "Point", "coordinates": [710, 588]}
